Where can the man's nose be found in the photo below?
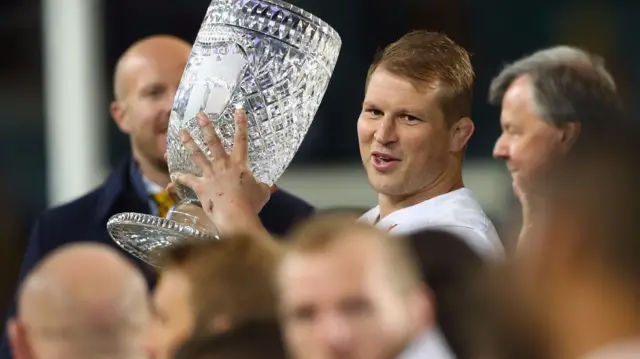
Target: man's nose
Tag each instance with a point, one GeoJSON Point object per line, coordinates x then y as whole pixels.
{"type": "Point", "coordinates": [386, 132]}
{"type": "Point", "coordinates": [501, 150]}
{"type": "Point", "coordinates": [336, 335]}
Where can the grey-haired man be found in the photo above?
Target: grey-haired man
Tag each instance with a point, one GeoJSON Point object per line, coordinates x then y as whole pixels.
{"type": "Point", "coordinates": [552, 101]}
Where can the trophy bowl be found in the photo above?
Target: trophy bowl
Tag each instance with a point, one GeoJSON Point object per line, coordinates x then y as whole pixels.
{"type": "Point", "coordinates": [268, 57]}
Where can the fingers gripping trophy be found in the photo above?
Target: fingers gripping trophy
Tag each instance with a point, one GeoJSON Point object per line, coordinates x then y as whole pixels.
{"type": "Point", "coordinates": [269, 58]}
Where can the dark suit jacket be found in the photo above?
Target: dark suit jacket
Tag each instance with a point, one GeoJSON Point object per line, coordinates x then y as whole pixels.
{"type": "Point", "coordinates": [448, 266]}
{"type": "Point", "coordinates": [85, 219]}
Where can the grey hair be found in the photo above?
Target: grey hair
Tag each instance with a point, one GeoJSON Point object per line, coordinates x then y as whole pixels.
{"type": "Point", "coordinates": [568, 84]}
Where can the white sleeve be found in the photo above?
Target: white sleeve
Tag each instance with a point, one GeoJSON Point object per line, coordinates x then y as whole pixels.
{"type": "Point", "coordinates": [487, 248]}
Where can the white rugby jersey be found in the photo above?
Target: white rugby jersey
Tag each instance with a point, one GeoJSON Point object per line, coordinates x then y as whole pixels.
{"type": "Point", "coordinates": [457, 211]}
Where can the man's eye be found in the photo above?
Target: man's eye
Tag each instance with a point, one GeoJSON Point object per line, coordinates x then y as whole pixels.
{"type": "Point", "coordinates": [411, 118]}
{"type": "Point", "coordinates": [154, 92]}
{"type": "Point", "coordinates": [302, 314]}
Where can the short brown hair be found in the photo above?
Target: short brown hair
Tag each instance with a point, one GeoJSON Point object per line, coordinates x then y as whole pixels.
{"type": "Point", "coordinates": [323, 231]}
{"type": "Point", "coordinates": [234, 277]}
{"type": "Point", "coordinates": [262, 339]}
{"type": "Point", "coordinates": [432, 58]}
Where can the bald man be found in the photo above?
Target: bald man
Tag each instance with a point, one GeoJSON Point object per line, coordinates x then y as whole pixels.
{"type": "Point", "coordinates": [145, 83]}
{"type": "Point", "coordinates": [82, 301]}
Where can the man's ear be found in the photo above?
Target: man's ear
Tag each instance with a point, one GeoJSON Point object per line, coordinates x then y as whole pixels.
{"type": "Point", "coordinates": [118, 113]}
{"type": "Point", "coordinates": [461, 132]}
{"type": "Point", "coordinates": [17, 336]}
{"type": "Point", "coordinates": [569, 135]}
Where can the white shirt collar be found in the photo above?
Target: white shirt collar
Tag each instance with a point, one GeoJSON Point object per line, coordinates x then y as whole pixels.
{"type": "Point", "coordinates": [151, 187]}
{"type": "Point", "coordinates": [457, 211]}
{"type": "Point", "coordinates": [372, 215]}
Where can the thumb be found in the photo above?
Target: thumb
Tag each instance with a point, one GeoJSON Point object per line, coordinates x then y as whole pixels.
{"type": "Point", "coordinates": [173, 192]}
{"type": "Point", "coordinates": [185, 180]}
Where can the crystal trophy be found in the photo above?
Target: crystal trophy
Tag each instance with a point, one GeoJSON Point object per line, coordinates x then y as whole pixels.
{"type": "Point", "coordinates": [268, 57]}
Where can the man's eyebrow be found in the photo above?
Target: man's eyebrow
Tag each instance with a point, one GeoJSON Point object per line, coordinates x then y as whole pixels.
{"type": "Point", "coordinates": [154, 86]}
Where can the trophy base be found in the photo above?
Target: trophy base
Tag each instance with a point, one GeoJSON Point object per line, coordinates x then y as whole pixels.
{"type": "Point", "coordinates": [146, 236]}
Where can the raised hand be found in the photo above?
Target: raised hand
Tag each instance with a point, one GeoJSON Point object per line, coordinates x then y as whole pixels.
{"type": "Point", "coordinates": [228, 191]}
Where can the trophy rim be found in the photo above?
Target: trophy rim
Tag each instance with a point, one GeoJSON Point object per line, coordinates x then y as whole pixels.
{"type": "Point", "coordinates": [147, 221]}
{"type": "Point", "coordinates": [304, 13]}
{"type": "Point", "coordinates": [307, 15]}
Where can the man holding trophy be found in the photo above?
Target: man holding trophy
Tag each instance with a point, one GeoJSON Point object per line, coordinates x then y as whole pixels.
{"type": "Point", "coordinates": [413, 130]}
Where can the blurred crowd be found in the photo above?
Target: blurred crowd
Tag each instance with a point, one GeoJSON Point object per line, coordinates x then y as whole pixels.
{"type": "Point", "coordinates": [422, 275]}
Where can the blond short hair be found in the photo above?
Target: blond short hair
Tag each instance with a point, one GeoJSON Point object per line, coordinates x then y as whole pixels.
{"type": "Point", "coordinates": [433, 59]}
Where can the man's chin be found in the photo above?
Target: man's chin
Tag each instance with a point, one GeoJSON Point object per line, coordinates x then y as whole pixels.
{"type": "Point", "coordinates": [387, 188]}
{"type": "Point", "coordinates": [523, 186]}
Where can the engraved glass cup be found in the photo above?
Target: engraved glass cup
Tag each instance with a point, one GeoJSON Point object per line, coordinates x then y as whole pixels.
{"type": "Point", "coordinates": [268, 57]}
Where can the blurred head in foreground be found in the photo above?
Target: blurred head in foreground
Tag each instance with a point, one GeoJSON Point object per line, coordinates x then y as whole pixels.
{"type": "Point", "coordinates": [210, 287]}
{"type": "Point", "coordinates": [350, 291]}
{"type": "Point", "coordinates": [82, 301]}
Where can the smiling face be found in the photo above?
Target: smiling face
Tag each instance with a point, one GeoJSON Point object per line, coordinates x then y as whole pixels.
{"type": "Point", "coordinates": [403, 136]}
{"type": "Point", "coordinates": [528, 143]}
{"type": "Point", "coordinates": [147, 79]}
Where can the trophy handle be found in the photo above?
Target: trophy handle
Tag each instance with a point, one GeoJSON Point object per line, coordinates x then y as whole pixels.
{"type": "Point", "coordinates": [190, 213]}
